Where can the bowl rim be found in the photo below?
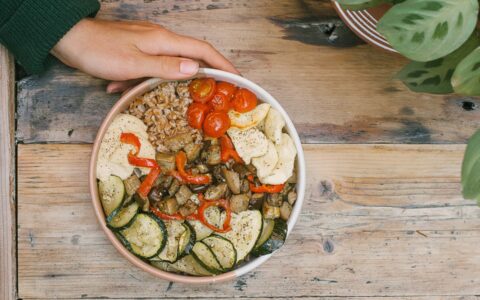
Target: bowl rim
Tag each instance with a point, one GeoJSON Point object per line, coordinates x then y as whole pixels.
{"type": "Point", "coordinates": [148, 85]}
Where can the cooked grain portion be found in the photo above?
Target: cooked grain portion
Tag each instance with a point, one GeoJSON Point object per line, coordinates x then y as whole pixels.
{"type": "Point", "coordinates": [164, 110]}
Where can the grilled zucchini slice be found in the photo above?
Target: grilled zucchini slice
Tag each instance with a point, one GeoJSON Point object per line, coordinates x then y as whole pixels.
{"type": "Point", "coordinates": [146, 236]}
{"type": "Point", "coordinates": [273, 237]}
{"type": "Point", "coordinates": [123, 217]}
{"type": "Point", "coordinates": [112, 193]}
{"type": "Point", "coordinates": [223, 250]}
{"type": "Point", "coordinates": [246, 229]}
{"type": "Point", "coordinates": [205, 257]}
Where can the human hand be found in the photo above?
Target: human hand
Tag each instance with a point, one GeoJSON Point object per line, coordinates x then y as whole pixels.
{"type": "Point", "coordinates": [126, 51]}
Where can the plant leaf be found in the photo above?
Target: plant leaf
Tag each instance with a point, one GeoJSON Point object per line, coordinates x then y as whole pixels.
{"type": "Point", "coordinates": [466, 79]}
{"type": "Point", "coordinates": [426, 30]}
{"type": "Point", "coordinates": [471, 169]}
{"type": "Point", "coordinates": [359, 4]}
{"type": "Point", "coordinates": [435, 76]}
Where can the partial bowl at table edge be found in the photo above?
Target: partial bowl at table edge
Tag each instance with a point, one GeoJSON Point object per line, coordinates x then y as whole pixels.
{"type": "Point", "coordinates": [122, 105]}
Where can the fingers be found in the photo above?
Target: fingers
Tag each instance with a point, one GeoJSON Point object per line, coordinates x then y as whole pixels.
{"type": "Point", "coordinates": [164, 42]}
{"type": "Point", "coordinates": [165, 67]}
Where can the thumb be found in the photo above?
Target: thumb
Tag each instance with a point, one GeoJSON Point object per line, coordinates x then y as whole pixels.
{"type": "Point", "coordinates": [166, 67]}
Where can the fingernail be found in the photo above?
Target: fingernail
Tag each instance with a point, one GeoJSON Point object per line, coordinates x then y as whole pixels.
{"type": "Point", "coordinates": [188, 67]}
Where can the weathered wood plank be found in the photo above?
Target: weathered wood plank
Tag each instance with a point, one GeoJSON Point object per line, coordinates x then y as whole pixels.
{"type": "Point", "coordinates": [333, 95]}
{"type": "Point", "coordinates": [7, 175]}
{"type": "Point", "coordinates": [377, 221]}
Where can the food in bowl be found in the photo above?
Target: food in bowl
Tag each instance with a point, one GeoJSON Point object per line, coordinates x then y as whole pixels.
{"type": "Point", "coordinates": [198, 177]}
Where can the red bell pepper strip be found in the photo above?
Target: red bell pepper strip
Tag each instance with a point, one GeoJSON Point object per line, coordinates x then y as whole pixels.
{"type": "Point", "coordinates": [228, 150]}
{"type": "Point", "coordinates": [147, 184]}
{"type": "Point", "coordinates": [265, 188]}
{"type": "Point", "coordinates": [133, 159]}
{"type": "Point", "coordinates": [220, 203]}
{"type": "Point", "coordinates": [181, 160]}
{"type": "Point", "coordinates": [165, 216]}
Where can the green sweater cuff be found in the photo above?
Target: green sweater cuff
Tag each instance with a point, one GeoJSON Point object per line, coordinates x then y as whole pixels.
{"type": "Point", "coordinates": [37, 25]}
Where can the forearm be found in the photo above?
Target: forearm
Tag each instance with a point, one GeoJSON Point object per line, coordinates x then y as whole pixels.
{"type": "Point", "coordinates": [31, 28]}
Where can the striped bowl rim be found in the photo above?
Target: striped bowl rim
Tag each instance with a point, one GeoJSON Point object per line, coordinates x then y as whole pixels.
{"type": "Point", "coordinates": [364, 24]}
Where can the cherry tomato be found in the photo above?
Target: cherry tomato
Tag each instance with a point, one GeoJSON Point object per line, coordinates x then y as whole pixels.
{"type": "Point", "coordinates": [244, 100]}
{"type": "Point", "coordinates": [196, 113]}
{"type": "Point", "coordinates": [216, 124]}
{"type": "Point", "coordinates": [202, 89]}
{"type": "Point", "coordinates": [220, 102]}
{"type": "Point", "coordinates": [226, 88]}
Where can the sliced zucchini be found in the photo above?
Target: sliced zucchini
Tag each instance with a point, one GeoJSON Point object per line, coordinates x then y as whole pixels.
{"type": "Point", "coordinates": [213, 216]}
{"type": "Point", "coordinates": [246, 229]}
{"type": "Point", "coordinates": [223, 250]}
{"type": "Point", "coordinates": [111, 192]}
{"type": "Point", "coordinates": [147, 235]}
{"type": "Point", "coordinates": [175, 230]}
{"type": "Point", "coordinates": [123, 216]}
{"type": "Point", "coordinates": [267, 230]}
{"type": "Point", "coordinates": [205, 257]}
{"type": "Point", "coordinates": [187, 240]}
{"type": "Point", "coordinates": [164, 266]}
{"type": "Point", "coordinates": [189, 265]}
{"type": "Point", "coordinates": [272, 238]}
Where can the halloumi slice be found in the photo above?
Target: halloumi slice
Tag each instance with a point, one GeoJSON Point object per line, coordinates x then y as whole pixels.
{"type": "Point", "coordinates": [267, 162]}
{"type": "Point", "coordinates": [274, 124]}
{"type": "Point", "coordinates": [286, 159]}
{"type": "Point", "coordinates": [248, 143]}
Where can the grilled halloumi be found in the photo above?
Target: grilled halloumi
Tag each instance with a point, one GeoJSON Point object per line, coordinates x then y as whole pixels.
{"type": "Point", "coordinates": [286, 159]}
{"type": "Point", "coordinates": [249, 119]}
{"type": "Point", "coordinates": [267, 162]}
{"type": "Point", "coordinates": [274, 124]}
{"type": "Point", "coordinates": [248, 143]}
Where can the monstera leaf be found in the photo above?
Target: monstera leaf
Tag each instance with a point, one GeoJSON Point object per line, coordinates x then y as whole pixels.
{"type": "Point", "coordinates": [466, 79]}
{"type": "Point", "coordinates": [426, 30]}
{"type": "Point", "coordinates": [359, 4]}
{"type": "Point", "coordinates": [471, 169]}
{"type": "Point", "coordinates": [435, 76]}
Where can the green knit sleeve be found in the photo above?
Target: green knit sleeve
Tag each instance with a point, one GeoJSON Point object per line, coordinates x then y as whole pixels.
{"type": "Point", "coordinates": [31, 28]}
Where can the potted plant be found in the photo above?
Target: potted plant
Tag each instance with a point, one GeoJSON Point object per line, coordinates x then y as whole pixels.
{"type": "Point", "coordinates": [441, 40]}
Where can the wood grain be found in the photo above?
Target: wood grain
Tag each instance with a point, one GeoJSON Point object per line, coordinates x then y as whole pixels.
{"type": "Point", "coordinates": [333, 95]}
{"type": "Point", "coordinates": [7, 175]}
{"type": "Point", "coordinates": [378, 220]}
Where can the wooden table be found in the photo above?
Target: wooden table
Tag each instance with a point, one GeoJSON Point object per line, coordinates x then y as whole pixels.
{"type": "Point", "coordinates": [383, 214]}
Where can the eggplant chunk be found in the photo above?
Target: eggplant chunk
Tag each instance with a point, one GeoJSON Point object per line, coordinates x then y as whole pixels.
{"type": "Point", "coordinates": [167, 182]}
{"type": "Point", "coordinates": [270, 212]}
{"type": "Point", "coordinates": [183, 194]}
{"type": "Point", "coordinates": [203, 168]}
{"type": "Point", "coordinates": [213, 155]}
{"type": "Point", "coordinates": [256, 201]}
{"type": "Point", "coordinates": [241, 170]}
{"type": "Point", "coordinates": [166, 161]}
{"type": "Point", "coordinates": [178, 141]}
{"type": "Point", "coordinates": [198, 188]}
{"type": "Point", "coordinates": [218, 173]}
{"type": "Point", "coordinates": [188, 208]}
{"type": "Point", "coordinates": [292, 197]}
{"type": "Point", "coordinates": [192, 151]}
{"type": "Point", "coordinates": [174, 187]}
{"type": "Point", "coordinates": [142, 202]}
{"type": "Point", "coordinates": [239, 203]}
{"type": "Point", "coordinates": [155, 194]}
{"type": "Point", "coordinates": [168, 206]}
{"type": "Point", "coordinates": [274, 199]}
{"type": "Point", "coordinates": [285, 210]}
{"type": "Point", "coordinates": [245, 186]}
{"type": "Point", "coordinates": [132, 183]}
{"type": "Point", "coordinates": [216, 192]}
{"type": "Point", "coordinates": [233, 180]}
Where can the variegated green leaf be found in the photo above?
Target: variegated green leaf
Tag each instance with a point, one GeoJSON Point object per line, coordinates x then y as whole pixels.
{"type": "Point", "coordinates": [435, 76]}
{"type": "Point", "coordinates": [426, 30]}
{"type": "Point", "coordinates": [466, 79]}
{"type": "Point", "coordinates": [471, 169]}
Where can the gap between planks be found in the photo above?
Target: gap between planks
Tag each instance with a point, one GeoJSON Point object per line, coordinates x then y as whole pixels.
{"type": "Point", "coordinates": [378, 220]}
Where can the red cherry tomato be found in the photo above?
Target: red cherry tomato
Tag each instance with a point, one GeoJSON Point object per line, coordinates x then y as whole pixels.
{"type": "Point", "coordinates": [196, 113]}
{"type": "Point", "coordinates": [216, 124]}
{"type": "Point", "coordinates": [220, 102]}
{"type": "Point", "coordinates": [244, 100]}
{"type": "Point", "coordinates": [202, 89]}
{"type": "Point", "coordinates": [226, 88]}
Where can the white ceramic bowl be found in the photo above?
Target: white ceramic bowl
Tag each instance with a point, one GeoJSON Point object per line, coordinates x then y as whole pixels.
{"type": "Point", "coordinates": [123, 104]}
